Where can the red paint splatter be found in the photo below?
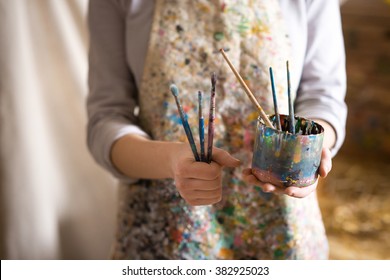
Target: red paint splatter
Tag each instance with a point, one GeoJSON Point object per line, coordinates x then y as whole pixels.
{"type": "Point", "coordinates": [177, 235]}
{"type": "Point", "coordinates": [186, 108]}
{"type": "Point", "coordinates": [223, 6]}
{"type": "Point", "coordinates": [238, 241]}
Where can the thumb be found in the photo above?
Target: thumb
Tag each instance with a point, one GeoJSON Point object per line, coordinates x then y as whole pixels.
{"type": "Point", "coordinates": [326, 162]}
{"type": "Point", "coordinates": [223, 158]}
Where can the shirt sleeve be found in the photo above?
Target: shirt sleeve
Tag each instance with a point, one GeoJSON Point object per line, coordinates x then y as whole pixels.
{"type": "Point", "coordinates": [112, 95]}
{"type": "Point", "coordinates": [322, 88]}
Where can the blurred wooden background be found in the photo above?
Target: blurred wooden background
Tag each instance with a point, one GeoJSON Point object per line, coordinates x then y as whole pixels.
{"type": "Point", "coordinates": [355, 198]}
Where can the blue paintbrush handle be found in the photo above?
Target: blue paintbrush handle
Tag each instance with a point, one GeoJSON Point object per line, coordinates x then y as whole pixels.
{"type": "Point", "coordinates": [201, 138]}
{"type": "Point", "coordinates": [183, 116]}
{"type": "Point", "coordinates": [201, 127]}
{"type": "Point", "coordinates": [187, 129]}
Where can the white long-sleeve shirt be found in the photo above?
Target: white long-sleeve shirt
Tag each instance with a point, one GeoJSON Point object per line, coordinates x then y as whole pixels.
{"type": "Point", "coordinates": [118, 44]}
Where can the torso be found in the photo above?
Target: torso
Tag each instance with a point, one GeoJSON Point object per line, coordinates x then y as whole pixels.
{"type": "Point", "coordinates": [154, 222]}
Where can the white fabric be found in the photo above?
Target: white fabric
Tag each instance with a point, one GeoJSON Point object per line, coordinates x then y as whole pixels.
{"type": "Point", "coordinates": [58, 203]}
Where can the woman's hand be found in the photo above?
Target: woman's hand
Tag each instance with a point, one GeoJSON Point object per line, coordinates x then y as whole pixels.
{"type": "Point", "coordinates": [200, 183]}
{"type": "Point", "coordinates": [299, 192]}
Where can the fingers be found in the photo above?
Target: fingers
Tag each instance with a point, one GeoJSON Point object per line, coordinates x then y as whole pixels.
{"type": "Point", "coordinates": [214, 195]}
{"type": "Point", "coordinates": [298, 192]}
{"type": "Point", "coordinates": [200, 183]}
{"type": "Point", "coordinates": [200, 202]}
{"type": "Point", "coordinates": [200, 192]}
{"type": "Point", "coordinates": [198, 170]}
{"type": "Point", "coordinates": [189, 168]}
{"type": "Point", "coordinates": [249, 178]}
{"type": "Point", "coordinates": [269, 188]}
{"type": "Point", "coordinates": [223, 158]}
{"type": "Point", "coordinates": [325, 163]}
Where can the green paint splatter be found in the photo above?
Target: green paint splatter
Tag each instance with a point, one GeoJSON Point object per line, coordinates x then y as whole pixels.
{"type": "Point", "coordinates": [228, 210]}
{"type": "Point", "coordinates": [243, 26]}
{"type": "Point", "coordinates": [176, 209]}
{"type": "Point", "coordinates": [242, 220]}
{"type": "Point", "coordinates": [218, 36]}
{"type": "Point", "coordinates": [261, 226]}
{"type": "Point", "coordinates": [278, 254]}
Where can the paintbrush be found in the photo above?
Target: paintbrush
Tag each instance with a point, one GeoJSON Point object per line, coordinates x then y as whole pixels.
{"type": "Point", "coordinates": [278, 126]}
{"type": "Point", "coordinates": [201, 127]}
{"type": "Point", "coordinates": [248, 91]}
{"type": "Point", "coordinates": [290, 105]}
{"type": "Point", "coordinates": [210, 134]}
{"type": "Point", "coordinates": [183, 116]}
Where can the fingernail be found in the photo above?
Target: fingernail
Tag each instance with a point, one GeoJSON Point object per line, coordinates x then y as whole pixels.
{"type": "Point", "coordinates": [268, 189]}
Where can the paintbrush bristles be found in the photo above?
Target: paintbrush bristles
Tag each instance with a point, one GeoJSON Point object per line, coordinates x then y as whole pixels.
{"type": "Point", "coordinates": [263, 115]}
{"type": "Point", "coordinates": [175, 93]}
{"type": "Point", "coordinates": [186, 126]}
{"type": "Point", "coordinates": [174, 90]}
{"type": "Point", "coordinates": [200, 110]}
{"type": "Point", "coordinates": [213, 81]}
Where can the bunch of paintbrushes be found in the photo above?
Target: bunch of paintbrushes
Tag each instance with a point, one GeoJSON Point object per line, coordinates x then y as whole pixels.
{"type": "Point", "coordinates": [203, 157]}
{"type": "Point", "coordinates": [303, 127]}
{"type": "Point", "coordinates": [290, 124]}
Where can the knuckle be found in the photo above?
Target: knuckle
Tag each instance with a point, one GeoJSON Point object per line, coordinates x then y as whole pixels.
{"type": "Point", "coordinates": [192, 202]}
{"type": "Point", "coordinates": [179, 184]}
{"type": "Point", "coordinates": [215, 174]}
{"type": "Point", "coordinates": [219, 181]}
{"type": "Point", "coordinates": [181, 171]}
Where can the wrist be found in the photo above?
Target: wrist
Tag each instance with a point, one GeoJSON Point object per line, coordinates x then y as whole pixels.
{"type": "Point", "coordinates": [171, 150]}
{"type": "Point", "coordinates": [141, 158]}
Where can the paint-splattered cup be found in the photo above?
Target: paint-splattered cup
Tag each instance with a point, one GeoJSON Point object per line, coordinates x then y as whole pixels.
{"type": "Point", "coordinates": [285, 159]}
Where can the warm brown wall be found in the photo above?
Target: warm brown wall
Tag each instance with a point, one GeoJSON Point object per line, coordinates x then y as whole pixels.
{"type": "Point", "coordinates": [366, 25]}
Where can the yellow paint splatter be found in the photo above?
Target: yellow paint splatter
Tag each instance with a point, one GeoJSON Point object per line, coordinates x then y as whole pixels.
{"type": "Point", "coordinates": [259, 29]}
{"type": "Point", "coordinates": [204, 8]}
{"type": "Point", "coordinates": [226, 254]}
{"type": "Point", "coordinates": [291, 180]}
{"type": "Point", "coordinates": [297, 157]}
{"type": "Point", "coordinates": [252, 116]}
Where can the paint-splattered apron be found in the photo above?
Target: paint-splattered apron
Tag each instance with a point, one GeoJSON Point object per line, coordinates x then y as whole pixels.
{"type": "Point", "coordinates": [154, 221]}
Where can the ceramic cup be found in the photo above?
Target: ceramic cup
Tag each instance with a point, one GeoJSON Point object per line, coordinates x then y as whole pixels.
{"type": "Point", "coordinates": [285, 159]}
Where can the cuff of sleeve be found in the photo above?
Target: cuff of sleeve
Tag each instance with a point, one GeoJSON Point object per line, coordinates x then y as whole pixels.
{"type": "Point", "coordinates": [336, 121]}
{"type": "Point", "coordinates": [106, 135]}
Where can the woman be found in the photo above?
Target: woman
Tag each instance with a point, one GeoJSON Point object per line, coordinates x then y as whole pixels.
{"type": "Point", "coordinates": [172, 207]}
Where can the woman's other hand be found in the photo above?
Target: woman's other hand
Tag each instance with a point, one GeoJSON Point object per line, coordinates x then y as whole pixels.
{"type": "Point", "coordinates": [299, 192]}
